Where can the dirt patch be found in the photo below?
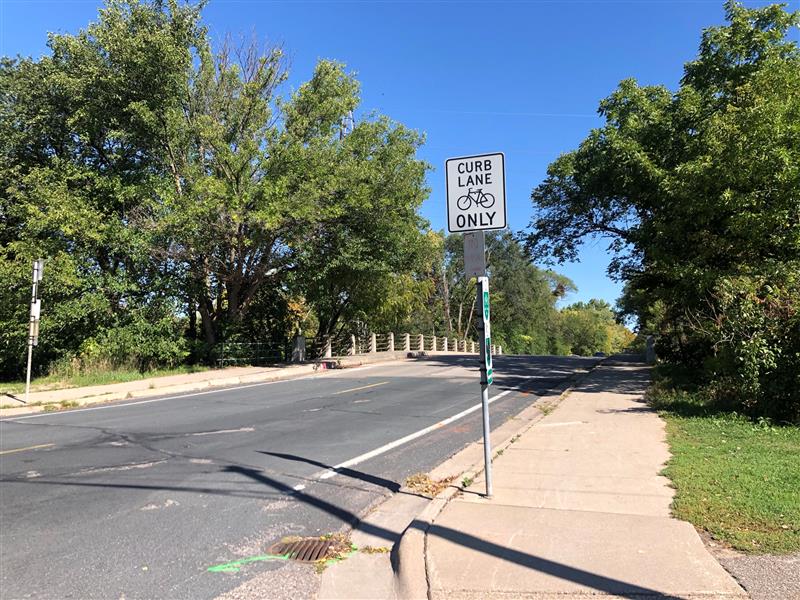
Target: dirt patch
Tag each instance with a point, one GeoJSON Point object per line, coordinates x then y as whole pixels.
{"type": "Point", "coordinates": [423, 484]}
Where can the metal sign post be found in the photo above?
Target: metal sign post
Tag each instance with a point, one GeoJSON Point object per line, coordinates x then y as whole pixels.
{"type": "Point", "coordinates": [484, 327]}
{"type": "Point", "coordinates": [33, 329]}
{"type": "Point", "coordinates": [476, 202]}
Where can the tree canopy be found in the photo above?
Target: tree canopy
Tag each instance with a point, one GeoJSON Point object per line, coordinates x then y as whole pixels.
{"type": "Point", "coordinates": [697, 192]}
{"type": "Point", "coordinates": [166, 180]}
{"type": "Point", "coordinates": [184, 199]}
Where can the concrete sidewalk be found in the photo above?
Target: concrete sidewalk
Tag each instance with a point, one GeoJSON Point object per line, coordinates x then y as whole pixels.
{"type": "Point", "coordinates": [579, 510]}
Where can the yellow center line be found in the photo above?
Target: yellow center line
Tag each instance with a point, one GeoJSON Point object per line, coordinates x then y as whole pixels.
{"type": "Point", "coordinates": [363, 387]}
{"type": "Point", "coordinates": [28, 448]}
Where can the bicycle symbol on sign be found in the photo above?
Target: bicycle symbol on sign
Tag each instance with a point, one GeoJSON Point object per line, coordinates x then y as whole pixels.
{"type": "Point", "coordinates": [478, 197]}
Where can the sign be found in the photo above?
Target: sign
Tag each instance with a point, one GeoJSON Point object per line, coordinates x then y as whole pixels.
{"type": "Point", "coordinates": [38, 270]}
{"type": "Point", "coordinates": [487, 330]}
{"type": "Point", "coordinates": [36, 309]}
{"type": "Point", "coordinates": [476, 193]}
{"type": "Point", "coordinates": [474, 254]}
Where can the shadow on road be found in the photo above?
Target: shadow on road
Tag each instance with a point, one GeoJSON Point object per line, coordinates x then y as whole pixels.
{"type": "Point", "coordinates": [390, 485]}
{"type": "Point", "coordinates": [579, 576]}
{"type": "Point", "coordinates": [513, 372]}
{"type": "Point", "coordinates": [276, 488]}
{"type": "Point", "coordinates": [518, 372]}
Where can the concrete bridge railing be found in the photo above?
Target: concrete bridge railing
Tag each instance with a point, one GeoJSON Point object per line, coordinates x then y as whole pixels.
{"type": "Point", "coordinates": [377, 343]}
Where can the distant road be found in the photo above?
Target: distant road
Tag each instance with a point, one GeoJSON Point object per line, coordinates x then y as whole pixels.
{"type": "Point", "coordinates": [138, 499]}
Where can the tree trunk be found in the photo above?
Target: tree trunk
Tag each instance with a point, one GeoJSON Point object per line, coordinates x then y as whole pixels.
{"type": "Point", "coordinates": [446, 299]}
{"type": "Point", "coordinates": [191, 309]}
{"type": "Point", "coordinates": [209, 331]}
{"type": "Point", "coordinates": [471, 312]}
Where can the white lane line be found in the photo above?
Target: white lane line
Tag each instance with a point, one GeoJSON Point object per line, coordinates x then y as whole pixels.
{"type": "Point", "coordinates": [328, 473]}
{"type": "Point", "coordinates": [240, 430]}
{"type": "Point", "coordinates": [215, 391]}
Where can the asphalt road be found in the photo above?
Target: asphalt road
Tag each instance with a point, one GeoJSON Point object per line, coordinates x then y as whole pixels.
{"type": "Point", "coordinates": [139, 499]}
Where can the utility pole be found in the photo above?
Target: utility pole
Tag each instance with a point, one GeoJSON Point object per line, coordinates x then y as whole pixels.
{"type": "Point", "coordinates": [33, 329]}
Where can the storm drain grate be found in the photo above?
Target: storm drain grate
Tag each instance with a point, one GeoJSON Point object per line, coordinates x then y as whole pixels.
{"type": "Point", "coordinates": [305, 550]}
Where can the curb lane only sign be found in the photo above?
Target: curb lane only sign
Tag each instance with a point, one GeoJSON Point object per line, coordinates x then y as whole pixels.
{"type": "Point", "coordinates": [476, 193]}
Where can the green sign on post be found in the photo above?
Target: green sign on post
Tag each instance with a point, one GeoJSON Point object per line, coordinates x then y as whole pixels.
{"type": "Point", "coordinates": [487, 328]}
{"type": "Point", "coordinates": [489, 370]}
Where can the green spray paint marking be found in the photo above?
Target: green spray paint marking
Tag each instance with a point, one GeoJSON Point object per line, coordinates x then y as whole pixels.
{"type": "Point", "coordinates": [235, 565]}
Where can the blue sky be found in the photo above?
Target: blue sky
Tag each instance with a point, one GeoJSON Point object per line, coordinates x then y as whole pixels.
{"type": "Point", "coordinates": [520, 77]}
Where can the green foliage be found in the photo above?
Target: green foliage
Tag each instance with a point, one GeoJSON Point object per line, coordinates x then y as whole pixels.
{"type": "Point", "coordinates": [149, 338]}
{"type": "Point", "coordinates": [525, 319]}
{"type": "Point", "coordinates": [697, 191]}
{"type": "Point", "coordinates": [153, 171]}
{"type": "Point", "coordinates": [354, 265]}
{"type": "Point", "coordinates": [587, 328]}
{"type": "Point", "coordinates": [78, 172]}
{"type": "Point", "coordinates": [182, 201]}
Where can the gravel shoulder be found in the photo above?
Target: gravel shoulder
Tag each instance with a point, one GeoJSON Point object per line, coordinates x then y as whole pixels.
{"type": "Point", "coordinates": [763, 576]}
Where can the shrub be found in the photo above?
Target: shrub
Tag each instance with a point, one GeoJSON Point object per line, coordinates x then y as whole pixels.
{"type": "Point", "coordinates": [149, 338]}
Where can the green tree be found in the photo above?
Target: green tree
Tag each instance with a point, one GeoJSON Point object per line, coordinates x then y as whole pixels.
{"type": "Point", "coordinates": [79, 171]}
{"type": "Point", "coordinates": [591, 327]}
{"type": "Point", "coordinates": [524, 317]}
{"type": "Point", "coordinates": [166, 180]}
{"type": "Point", "coordinates": [697, 191]}
{"type": "Point", "coordinates": [366, 240]}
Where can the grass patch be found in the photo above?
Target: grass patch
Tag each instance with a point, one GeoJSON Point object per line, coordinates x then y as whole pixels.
{"type": "Point", "coordinates": [736, 478]}
{"type": "Point", "coordinates": [546, 408]}
{"type": "Point", "coordinates": [60, 382]}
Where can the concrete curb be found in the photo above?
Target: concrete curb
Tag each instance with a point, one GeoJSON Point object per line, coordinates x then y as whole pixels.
{"type": "Point", "coordinates": [409, 555]}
